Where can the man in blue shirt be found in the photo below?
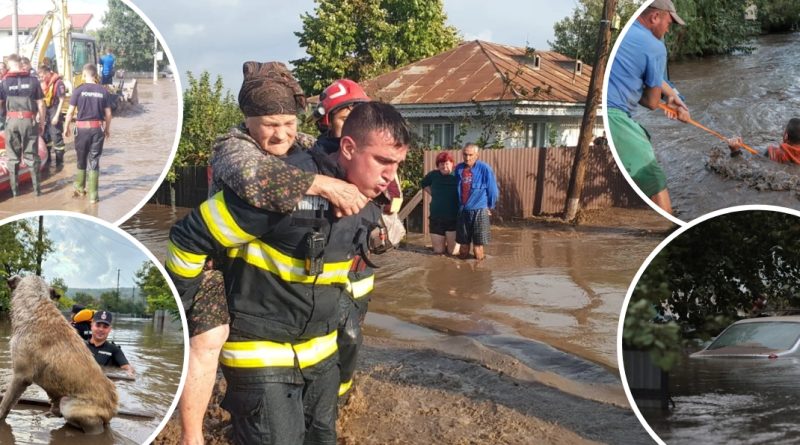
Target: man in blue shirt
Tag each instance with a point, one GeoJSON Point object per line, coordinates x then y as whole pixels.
{"type": "Point", "coordinates": [637, 77]}
{"type": "Point", "coordinates": [107, 75]}
{"type": "Point", "coordinates": [477, 195]}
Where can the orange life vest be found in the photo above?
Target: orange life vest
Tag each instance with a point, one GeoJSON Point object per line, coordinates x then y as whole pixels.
{"type": "Point", "coordinates": [784, 153]}
{"type": "Point", "coordinates": [49, 88]}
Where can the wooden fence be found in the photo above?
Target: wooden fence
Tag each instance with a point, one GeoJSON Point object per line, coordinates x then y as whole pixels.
{"type": "Point", "coordinates": [534, 181]}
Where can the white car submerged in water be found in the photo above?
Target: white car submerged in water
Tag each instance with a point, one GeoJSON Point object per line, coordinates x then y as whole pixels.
{"type": "Point", "coordinates": [765, 337]}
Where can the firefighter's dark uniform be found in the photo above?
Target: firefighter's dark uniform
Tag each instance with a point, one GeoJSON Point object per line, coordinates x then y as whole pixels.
{"type": "Point", "coordinates": [108, 354]}
{"type": "Point", "coordinates": [353, 308]}
{"type": "Point", "coordinates": [91, 100]}
{"type": "Point", "coordinates": [281, 357]}
{"type": "Point", "coordinates": [54, 90]}
{"type": "Point", "coordinates": [19, 94]}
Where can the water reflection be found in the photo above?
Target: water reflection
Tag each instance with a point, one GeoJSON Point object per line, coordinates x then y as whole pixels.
{"type": "Point", "coordinates": [731, 401]}
{"type": "Point", "coordinates": [158, 359]}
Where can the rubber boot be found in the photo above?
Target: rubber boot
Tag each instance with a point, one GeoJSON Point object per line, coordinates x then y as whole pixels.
{"type": "Point", "coordinates": [35, 173]}
{"type": "Point", "coordinates": [79, 186]}
{"type": "Point", "coordinates": [59, 158]}
{"type": "Point", "coordinates": [91, 184]}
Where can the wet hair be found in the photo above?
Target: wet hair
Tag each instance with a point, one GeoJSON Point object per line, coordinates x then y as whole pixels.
{"type": "Point", "coordinates": [369, 117]}
{"type": "Point", "coordinates": [443, 157]}
{"type": "Point", "coordinates": [43, 68]}
{"type": "Point", "coordinates": [14, 58]}
{"type": "Point", "coordinates": [91, 69]}
{"type": "Point", "coordinates": [24, 61]}
{"type": "Point", "coordinates": [793, 131]}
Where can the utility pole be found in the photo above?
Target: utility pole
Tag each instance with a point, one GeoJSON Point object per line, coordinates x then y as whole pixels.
{"type": "Point", "coordinates": [15, 25]}
{"type": "Point", "coordinates": [155, 58]}
{"type": "Point", "coordinates": [117, 283]}
{"type": "Point", "coordinates": [593, 97]}
{"type": "Point", "coordinates": [40, 246]}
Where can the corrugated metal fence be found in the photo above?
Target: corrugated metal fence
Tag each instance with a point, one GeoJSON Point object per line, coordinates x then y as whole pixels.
{"type": "Point", "coordinates": [534, 181]}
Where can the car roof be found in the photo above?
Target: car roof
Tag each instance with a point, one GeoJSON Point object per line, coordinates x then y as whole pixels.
{"type": "Point", "coordinates": [786, 318]}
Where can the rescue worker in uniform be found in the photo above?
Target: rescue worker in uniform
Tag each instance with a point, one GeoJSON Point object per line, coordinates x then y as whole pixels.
{"type": "Point", "coordinates": [246, 162]}
{"type": "Point", "coordinates": [82, 321]}
{"type": "Point", "coordinates": [55, 93]}
{"type": "Point", "coordinates": [21, 97]}
{"type": "Point", "coordinates": [93, 128]}
{"type": "Point", "coordinates": [106, 352]}
{"type": "Point", "coordinates": [281, 358]}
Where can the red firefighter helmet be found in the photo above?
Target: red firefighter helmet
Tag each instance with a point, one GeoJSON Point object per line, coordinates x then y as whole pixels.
{"type": "Point", "coordinates": [339, 94]}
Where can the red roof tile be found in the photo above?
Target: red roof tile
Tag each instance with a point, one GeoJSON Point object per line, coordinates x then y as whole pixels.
{"type": "Point", "coordinates": [482, 72]}
{"type": "Point", "coordinates": [30, 21]}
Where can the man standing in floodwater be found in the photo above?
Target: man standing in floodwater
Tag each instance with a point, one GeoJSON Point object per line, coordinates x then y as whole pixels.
{"type": "Point", "coordinates": [21, 97]}
{"type": "Point", "coordinates": [477, 195]}
{"type": "Point", "coordinates": [94, 127]}
{"type": "Point", "coordinates": [637, 77]}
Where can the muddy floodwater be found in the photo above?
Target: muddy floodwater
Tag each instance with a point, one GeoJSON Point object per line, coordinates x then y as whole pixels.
{"type": "Point", "coordinates": [731, 401]}
{"type": "Point", "coordinates": [156, 354]}
{"type": "Point", "coordinates": [142, 137]}
{"type": "Point", "coordinates": [752, 96]}
{"type": "Point", "coordinates": [548, 298]}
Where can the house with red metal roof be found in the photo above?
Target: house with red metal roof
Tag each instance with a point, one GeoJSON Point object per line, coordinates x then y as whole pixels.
{"type": "Point", "coordinates": [27, 23]}
{"type": "Point", "coordinates": [502, 95]}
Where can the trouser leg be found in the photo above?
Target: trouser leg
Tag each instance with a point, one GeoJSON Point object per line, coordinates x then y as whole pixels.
{"type": "Point", "coordinates": [349, 340]}
{"type": "Point", "coordinates": [14, 144]}
{"type": "Point", "coordinates": [264, 413]}
{"type": "Point", "coordinates": [56, 134]}
{"type": "Point", "coordinates": [319, 406]}
{"type": "Point", "coordinates": [31, 154]}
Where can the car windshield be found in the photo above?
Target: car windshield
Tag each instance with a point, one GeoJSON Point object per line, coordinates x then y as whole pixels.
{"type": "Point", "coordinates": [776, 336]}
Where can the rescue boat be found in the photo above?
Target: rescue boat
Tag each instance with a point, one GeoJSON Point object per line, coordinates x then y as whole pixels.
{"type": "Point", "coordinates": [24, 174]}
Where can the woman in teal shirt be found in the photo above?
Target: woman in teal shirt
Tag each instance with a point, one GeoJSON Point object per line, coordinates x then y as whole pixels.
{"type": "Point", "coordinates": [442, 185]}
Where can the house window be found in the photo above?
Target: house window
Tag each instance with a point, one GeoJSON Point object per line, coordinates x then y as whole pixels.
{"type": "Point", "coordinates": [578, 67]}
{"type": "Point", "coordinates": [439, 135]}
{"type": "Point", "coordinates": [536, 134]}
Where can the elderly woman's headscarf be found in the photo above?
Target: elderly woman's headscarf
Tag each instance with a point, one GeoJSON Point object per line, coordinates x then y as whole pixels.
{"type": "Point", "coordinates": [269, 88]}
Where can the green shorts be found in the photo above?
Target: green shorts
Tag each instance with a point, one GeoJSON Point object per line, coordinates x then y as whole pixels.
{"type": "Point", "coordinates": [636, 153]}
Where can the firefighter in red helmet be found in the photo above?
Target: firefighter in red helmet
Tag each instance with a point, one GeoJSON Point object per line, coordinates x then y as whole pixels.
{"type": "Point", "coordinates": [335, 103]}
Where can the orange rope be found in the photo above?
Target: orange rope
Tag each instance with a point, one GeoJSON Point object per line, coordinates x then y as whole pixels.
{"type": "Point", "coordinates": [664, 107]}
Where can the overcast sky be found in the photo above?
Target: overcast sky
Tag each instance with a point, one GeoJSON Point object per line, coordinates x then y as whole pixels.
{"type": "Point", "coordinates": [218, 35]}
{"type": "Point", "coordinates": [87, 254]}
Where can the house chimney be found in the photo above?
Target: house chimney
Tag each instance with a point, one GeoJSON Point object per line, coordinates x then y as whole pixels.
{"type": "Point", "coordinates": [578, 67]}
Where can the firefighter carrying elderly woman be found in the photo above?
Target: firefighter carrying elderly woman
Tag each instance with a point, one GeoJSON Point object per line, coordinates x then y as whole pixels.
{"type": "Point", "coordinates": [273, 265]}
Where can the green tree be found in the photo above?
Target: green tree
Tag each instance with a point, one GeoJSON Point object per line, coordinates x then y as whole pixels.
{"type": "Point", "coordinates": [711, 275]}
{"type": "Point", "coordinates": [85, 299]}
{"type": "Point", "coordinates": [20, 246]}
{"type": "Point", "coordinates": [778, 15]}
{"type": "Point", "coordinates": [576, 36]}
{"type": "Point", "coordinates": [155, 290]}
{"type": "Point", "coordinates": [129, 36]}
{"type": "Point", "coordinates": [208, 111]}
{"type": "Point", "coordinates": [712, 27]}
{"type": "Point", "coordinates": [360, 39]}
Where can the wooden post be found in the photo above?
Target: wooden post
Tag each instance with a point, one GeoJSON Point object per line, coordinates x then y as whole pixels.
{"type": "Point", "coordinates": [593, 97]}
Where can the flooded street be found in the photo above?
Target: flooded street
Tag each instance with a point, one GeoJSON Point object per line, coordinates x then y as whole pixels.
{"type": "Point", "coordinates": [731, 401]}
{"type": "Point", "coordinates": [542, 295]}
{"type": "Point", "coordinates": [752, 96]}
{"type": "Point", "coordinates": [133, 158]}
{"type": "Point", "coordinates": [158, 360]}
{"type": "Point", "coordinates": [519, 346]}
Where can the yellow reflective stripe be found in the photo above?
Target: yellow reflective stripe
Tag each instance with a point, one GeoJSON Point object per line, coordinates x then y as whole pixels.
{"type": "Point", "coordinates": [344, 387]}
{"type": "Point", "coordinates": [261, 354]}
{"type": "Point", "coordinates": [221, 224]}
{"type": "Point", "coordinates": [314, 351]}
{"type": "Point", "coordinates": [360, 288]}
{"type": "Point", "coordinates": [261, 255]}
{"type": "Point", "coordinates": [183, 263]}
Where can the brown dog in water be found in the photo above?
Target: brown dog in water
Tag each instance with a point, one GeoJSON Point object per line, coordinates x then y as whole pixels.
{"type": "Point", "coordinates": [47, 351]}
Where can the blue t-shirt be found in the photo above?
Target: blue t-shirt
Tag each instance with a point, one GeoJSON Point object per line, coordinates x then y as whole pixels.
{"type": "Point", "coordinates": [108, 63]}
{"type": "Point", "coordinates": [640, 62]}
